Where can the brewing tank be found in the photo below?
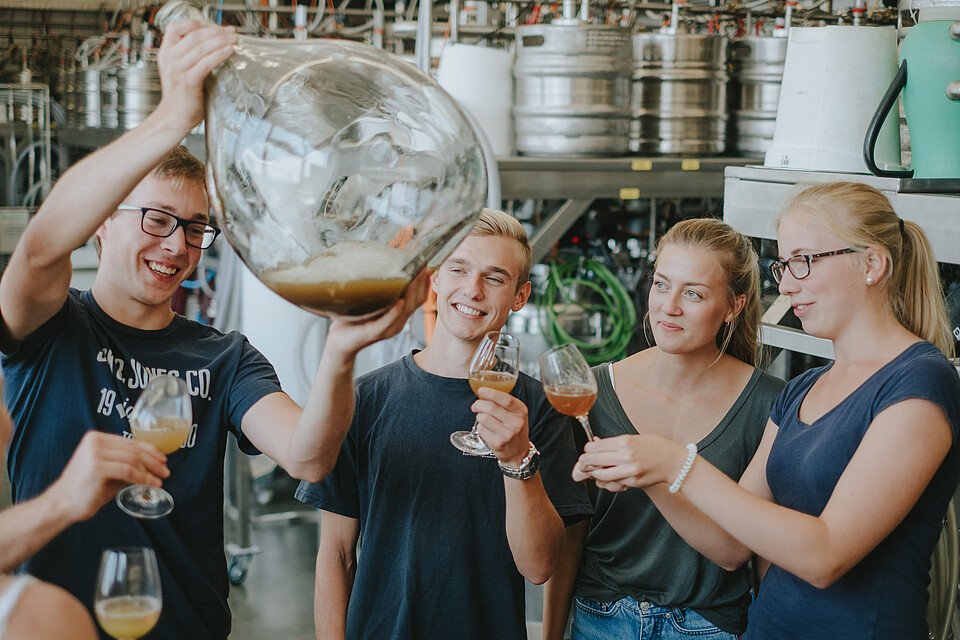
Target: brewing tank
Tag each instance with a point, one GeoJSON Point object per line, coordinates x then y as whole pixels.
{"type": "Point", "coordinates": [679, 103]}
{"type": "Point", "coordinates": [572, 92]}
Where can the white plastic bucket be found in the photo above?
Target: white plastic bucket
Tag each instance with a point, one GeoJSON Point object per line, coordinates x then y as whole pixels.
{"type": "Point", "coordinates": [833, 79]}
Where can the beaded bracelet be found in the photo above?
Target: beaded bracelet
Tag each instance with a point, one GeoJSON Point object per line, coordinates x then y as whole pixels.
{"type": "Point", "coordinates": [685, 469]}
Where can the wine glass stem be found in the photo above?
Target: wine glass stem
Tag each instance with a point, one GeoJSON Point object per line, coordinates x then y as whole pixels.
{"type": "Point", "coordinates": [586, 427]}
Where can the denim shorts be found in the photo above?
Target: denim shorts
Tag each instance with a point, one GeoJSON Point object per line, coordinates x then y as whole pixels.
{"type": "Point", "coordinates": [640, 620]}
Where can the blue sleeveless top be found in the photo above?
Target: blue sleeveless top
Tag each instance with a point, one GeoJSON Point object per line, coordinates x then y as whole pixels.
{"type": "Point", "coordinates": [885, 595]}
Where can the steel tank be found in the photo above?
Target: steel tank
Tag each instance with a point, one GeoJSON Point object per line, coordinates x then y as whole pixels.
{"type": "Point", "coordinates": [138, 92]}
{"type": "Point", "coordinates": [109, 118]}
{"type": "Point", "coordinates": [572, 90]}
{"type": "Point", "coordinates": [757, 64]}
{"type": "Point", "coordinates": [679, 103]}
{"type": "Point", "coordinates": [88, 97]}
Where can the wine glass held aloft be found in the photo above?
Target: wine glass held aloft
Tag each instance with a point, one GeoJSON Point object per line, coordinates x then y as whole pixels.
{"type": "Point", "coordinates": [495, 365]}
{"type": "Point", "coordinates": [162, 416]}
{"type": "Point", "coordinates": [569, 383]}
{"type": "Point", "coordinates": [128, 599]}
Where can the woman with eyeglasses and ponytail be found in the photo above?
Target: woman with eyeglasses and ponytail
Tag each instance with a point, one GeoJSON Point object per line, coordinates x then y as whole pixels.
{"type": "Point", "coordinates": [846, 495]}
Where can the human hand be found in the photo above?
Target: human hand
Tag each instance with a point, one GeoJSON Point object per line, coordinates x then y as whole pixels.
{"type": "Point", "coordinates": [502, 423]}
{"type": "Point", "coordinates": [102, 465]}
{"type": "Point", "coordinates": [627, 461]}
{"type": "Point", "coordinates": [346, 336]}
{"type": "Point", "coordinates": [189, 51]}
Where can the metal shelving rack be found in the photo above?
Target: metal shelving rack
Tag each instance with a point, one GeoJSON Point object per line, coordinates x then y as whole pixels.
{"type": "Point", "coordinates": [754, 197]}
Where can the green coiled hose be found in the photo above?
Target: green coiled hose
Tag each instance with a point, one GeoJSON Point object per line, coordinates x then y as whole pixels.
{"type": "Point", "coordinates": [610, 299]}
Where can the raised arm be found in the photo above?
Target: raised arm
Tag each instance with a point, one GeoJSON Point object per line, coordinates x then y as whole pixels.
{"type": "Point", "coordinates": [535, 530]}
{"type": "Point", "coordinates": [102, 465]}
{"type": "Point", "coordinates": [306, 442]}
{"type": "Point", "coordinates": [894, 463]}
{"type": "Point", "coordinates": [35, 283]}
{"type": "Point", "coordinates": [336, 568]}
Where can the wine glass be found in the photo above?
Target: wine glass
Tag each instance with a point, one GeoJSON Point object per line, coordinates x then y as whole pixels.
{"type": "Point", "coordinates": [162, 416]}
{"type": "Point", "coordinates": [495, 365]}
{"type": "Point", "coordinates": [569, 383]}
{"type": "Point", "coordinates": [128, 599]}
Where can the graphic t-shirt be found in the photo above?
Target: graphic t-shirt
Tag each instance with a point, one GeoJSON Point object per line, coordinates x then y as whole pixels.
{"type": "Point", "coordinates": [82, 370]}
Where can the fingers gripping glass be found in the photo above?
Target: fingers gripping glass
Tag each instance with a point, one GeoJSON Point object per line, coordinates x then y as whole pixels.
{"type": "Point", "coordinates": [799, 266]}
{"type": "Point", "coordinates": [495, 364]}
{"type": "Point", "coordinates": [162, 224]}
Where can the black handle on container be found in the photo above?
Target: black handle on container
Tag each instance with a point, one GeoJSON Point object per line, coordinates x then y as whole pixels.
{"type": "Point", "coordinates": [873, 130]}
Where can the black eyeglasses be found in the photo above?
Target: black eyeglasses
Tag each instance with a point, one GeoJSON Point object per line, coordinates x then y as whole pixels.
{"type": "Point", "coordinates": [799, 266]}
{"type": "Point", "coordinates": [162, 224]}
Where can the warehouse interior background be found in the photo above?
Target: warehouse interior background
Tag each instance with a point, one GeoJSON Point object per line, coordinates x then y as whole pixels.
{"type": "Point", "coordinates": [604, 123]}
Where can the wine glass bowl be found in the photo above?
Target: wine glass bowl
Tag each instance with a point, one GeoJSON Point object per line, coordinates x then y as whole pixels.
{"type": "Point", "coordinates": [162, 416]}
{"type": "Point", "coordinates": [495, 365]}
{"type": "Point", "coordinates": [568, 383]}
{"type": "Point", "coordinates": [128, 600]}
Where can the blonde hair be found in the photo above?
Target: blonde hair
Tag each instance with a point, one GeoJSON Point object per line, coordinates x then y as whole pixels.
{"type": "Point", "coordinates": [863, 217]}
{"type": "Point", "coordinates": [499, 224]}
{"type": "Point", "coordinates": [739, 261]}
{"type": "Point", "coordinates": [179, 166]}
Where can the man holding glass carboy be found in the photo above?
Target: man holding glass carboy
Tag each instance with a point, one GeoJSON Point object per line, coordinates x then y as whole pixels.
{"type": "Point", "coordinates": [447, 538]}
{"type": "Point", "coordinates": [77, 361]}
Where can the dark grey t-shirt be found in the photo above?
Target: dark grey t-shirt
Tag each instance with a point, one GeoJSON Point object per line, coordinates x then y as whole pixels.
{"type": "Point", "coordinates": [632, 551]}
{"type": "Point", "coordinates": [434, 560]}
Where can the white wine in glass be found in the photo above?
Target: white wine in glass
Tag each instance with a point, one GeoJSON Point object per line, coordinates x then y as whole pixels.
{"type": "Point", "coordinates": [162, 416]}
{"type": "Point", "coordinates": [568, 383]}
{"type": "Point", "coordinates": [128, 599]}
{"type": "Point", "coordinates": [495, 365]}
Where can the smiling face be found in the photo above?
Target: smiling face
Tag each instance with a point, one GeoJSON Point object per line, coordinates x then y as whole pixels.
{"type": "Point", "coordinates": [141, 269]}
{"type": "Point", "coordinates": [690, 300]}
{"type": "Point", "coordinates": [477, 287]}
{"type": "Point", "coordinates": [834, 284]}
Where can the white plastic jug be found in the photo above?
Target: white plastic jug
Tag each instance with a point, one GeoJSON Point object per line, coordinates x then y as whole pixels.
{"type": "Point", "coordinates": [833, 79]}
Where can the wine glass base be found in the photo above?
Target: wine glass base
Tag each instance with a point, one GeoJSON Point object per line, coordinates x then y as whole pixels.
{"type": "Point", "coordinates": [142, 501]}
{"type": "Point", "coordinates": [469, 443]}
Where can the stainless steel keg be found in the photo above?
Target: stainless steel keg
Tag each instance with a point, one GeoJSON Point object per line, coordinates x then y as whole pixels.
{"type": "Point", "coordinates": [109, 119]}
{"type": "Point", "coordinates": [88, 97]}
{"type": "Point", "coordinates": [572, 94]}
{"type": "Point", "coordinates": [679, 103]}
{"type": "Point", "coordinates": [138, 92]}
{"type": "Point", "coordinates": [757, 64]}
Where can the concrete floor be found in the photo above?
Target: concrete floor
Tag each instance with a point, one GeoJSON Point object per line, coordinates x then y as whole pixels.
{"type": "Point", "coordinates": [275, 601]}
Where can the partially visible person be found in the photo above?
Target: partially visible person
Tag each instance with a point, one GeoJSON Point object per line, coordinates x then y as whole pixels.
{"type": "Point", "coordinates": [634, 576]}
{"type": "Point", "coordinates": [846, 495]}
{"type": "Point", "coordinates": [447, 538]}
{"type": "Point", "coordinates": [101, 466]}
{"type": "Point", "coordinates": [77, 361]}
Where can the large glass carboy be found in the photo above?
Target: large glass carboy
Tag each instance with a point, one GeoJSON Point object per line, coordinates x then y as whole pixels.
{"type": "Point", "coordinates": [336, 170]}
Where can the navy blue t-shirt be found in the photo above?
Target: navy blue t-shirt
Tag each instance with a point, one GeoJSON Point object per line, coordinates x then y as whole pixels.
{"type": "Point", "coordinates": [434, 560]}
{"type": "Point", "coordinates": [82, 370]}
{"type": "Point", "coordinates": [885, 595]}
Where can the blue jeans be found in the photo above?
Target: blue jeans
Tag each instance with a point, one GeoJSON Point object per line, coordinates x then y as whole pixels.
{"type": "Point", "coordinates": [639, 620]}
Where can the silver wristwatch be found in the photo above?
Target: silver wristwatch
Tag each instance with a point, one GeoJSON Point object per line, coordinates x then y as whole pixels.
{"type": "Point", "coordinates": [528, 467]}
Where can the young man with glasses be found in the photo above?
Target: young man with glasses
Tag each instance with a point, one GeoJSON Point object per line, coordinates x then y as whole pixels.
{"type": "Point", "coordinates": [77, 361]}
